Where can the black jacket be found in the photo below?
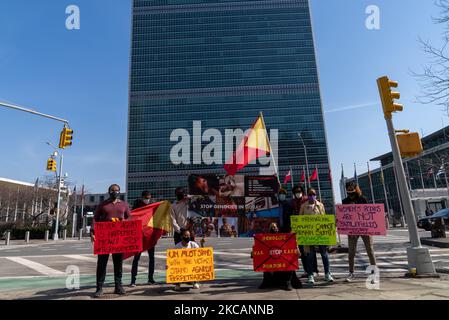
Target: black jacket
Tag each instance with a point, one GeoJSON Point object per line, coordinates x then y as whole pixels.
{"type": "Point", "coordinates": [358, 200]}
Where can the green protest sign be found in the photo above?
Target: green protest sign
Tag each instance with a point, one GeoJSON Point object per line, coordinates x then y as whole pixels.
{"type": "Point", "coordinates": [314, 230]}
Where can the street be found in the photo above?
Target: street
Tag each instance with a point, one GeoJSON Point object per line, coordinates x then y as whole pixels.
{"type": "Point", "coordinates": [38, 270]}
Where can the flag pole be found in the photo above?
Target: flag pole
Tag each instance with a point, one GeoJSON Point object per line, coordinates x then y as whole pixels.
{"type": "Point", "coordinates": [271, 149]}
{"type": "Point", "coordinates": [382, 177]}
{"type": "Point", "coordinates": [318, 180]}
{"type": "Point", "coordinates": [370, 183]}
{"type": "Point", "coordinates": [291, 178]}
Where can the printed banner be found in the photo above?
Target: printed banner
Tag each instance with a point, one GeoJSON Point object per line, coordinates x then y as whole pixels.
{"type": "Point", "coordinates": [275, 252]}
{"type": "Point", "coordinates": [261, 186]}
{"type": "Point", "coordinates": [118, 237]}
{"type": "Point", "coordinates": [190, 265]}
{"type": "Point", "coordinates": [314, 229]}
{"type": "Point", "coordinates": [361, 219]}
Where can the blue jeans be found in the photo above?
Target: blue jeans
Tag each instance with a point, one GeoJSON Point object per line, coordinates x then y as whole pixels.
{"type": "Point", "coordinates": [311, 257]}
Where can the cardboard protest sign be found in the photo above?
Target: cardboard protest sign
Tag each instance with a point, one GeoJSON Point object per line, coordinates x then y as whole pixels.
{"type": "Point", "coordinates": [190, 265]}
{"type": "Point", "coordinates": [361, 219]}
{"type": "Point", "coordinates": [275, 252]}
{"type": "Point", "coordinates": [314, 229]}
{"type": "Point", "coordinates": [118, 237]}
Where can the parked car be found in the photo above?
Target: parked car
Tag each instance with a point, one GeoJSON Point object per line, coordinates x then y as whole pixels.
{"type": "Point", "coordinates": [426, 222]}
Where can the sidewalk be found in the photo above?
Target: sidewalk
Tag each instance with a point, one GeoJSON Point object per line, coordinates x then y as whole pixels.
{"type": "Point", "coordinates": [391, 288]}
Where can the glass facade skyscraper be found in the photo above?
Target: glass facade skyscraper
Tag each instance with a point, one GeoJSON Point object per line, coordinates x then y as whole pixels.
{"type": "Point", "coordinates": [221, 62]}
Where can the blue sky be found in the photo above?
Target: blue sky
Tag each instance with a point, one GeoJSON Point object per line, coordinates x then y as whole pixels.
{"type": "Point", "coordinates": [82, 75]}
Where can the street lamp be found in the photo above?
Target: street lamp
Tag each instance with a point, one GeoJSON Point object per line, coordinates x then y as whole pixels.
{"type": "Point", "coordinates": [58, 205]}
{"type": "Point", "coordinates": [307, 160]}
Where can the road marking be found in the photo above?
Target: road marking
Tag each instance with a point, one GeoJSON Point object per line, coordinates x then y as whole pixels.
{"type": "Point", "coordinates": [93, 259]}
{"type": "Point", "coordinates": [37, 266]}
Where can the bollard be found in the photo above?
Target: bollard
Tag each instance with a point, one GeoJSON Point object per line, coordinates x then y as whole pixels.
{"type": "Point", "coordinates": [64, 234]}
{"type": "Point", "coordinates": [27, 237]}
{"type": "Point", "coordinates": [7, 238]}
{"type": "Point", "coordinates": [47, 232]}
{"type": "Point", "coordinates": [80, 235]}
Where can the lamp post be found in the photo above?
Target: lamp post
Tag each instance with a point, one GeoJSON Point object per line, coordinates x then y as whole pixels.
{"type": "Point", "coordinates": [307, 160]}
{"type": "Point", "coordinates": [58, 203]}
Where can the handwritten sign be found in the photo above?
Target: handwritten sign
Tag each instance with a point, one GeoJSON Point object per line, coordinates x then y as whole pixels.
{"type": "Point", "coordinates": [190, 265]}
{"type": "Point", "coordinates": [118, 237]}
{"type": "Point", "coordinates": [275, 252]}
{"type": "Point", "coordinates": [361, 219]}
{"type": "Point", "coordinates": [314, 230]}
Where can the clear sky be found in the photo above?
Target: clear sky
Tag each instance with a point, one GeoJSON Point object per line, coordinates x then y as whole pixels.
{"type": "Point", "coordinates": [82, 75]}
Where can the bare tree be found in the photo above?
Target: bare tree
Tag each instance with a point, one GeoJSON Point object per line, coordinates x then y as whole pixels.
{"type": "Point", "coordinates": [434, 78]}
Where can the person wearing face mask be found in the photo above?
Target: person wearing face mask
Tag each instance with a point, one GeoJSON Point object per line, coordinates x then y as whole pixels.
{"type": "Point", "coordinates": [179, 213]}
{"type": "Point", "coordinates": [285, 211]}
{"type": "Point", "coordinates": [145, 200]}
{"type": "Point", "coordinates": [112, 209]}
{"type": "Point", "coordinates": [312, 207]}
{"type": "Point", "coordinates": [355, 197]}
{"type": "Point", "coordinates": [287, 280]}
{"type": "Point", "coordinates": [186, 243]}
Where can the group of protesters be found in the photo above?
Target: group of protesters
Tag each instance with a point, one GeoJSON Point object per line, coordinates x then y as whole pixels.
{"type": "Point", "coordinates": [302, 203]}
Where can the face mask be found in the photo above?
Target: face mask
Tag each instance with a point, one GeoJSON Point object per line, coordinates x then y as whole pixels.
{"type": "Point", "coordinates": [273, 231]}
{"type": "Point", "coordinates": [186, 239]}
{"type": "Point", "coordinates": [146, 201]}
{"type": "Point", "coordinates": [351, 194]}
{"type": "Point", "coordinates": [312, 198]}
{"type": "Point", "coordinates": [114, 195]}
{"type": "Point", "coordinates": [298, 195]}
{"type": "Point", "coordinates": [282, 197]}
{"type": "Point", "coordinates": [180, 196]}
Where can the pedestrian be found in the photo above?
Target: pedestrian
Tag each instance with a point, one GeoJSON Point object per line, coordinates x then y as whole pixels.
{"type": "Point", "coordinates": [315, 207]}
{"type": "Point", "coordinates": [186, 243]}
{"type": "Point", "coordinates": [179, 213]}
{"type": "Point", "coordinates": [112, 209]}
{"type": "Point", "coordinates": [145, 200]}
{"type": "Point", "coordinates": [299, 198]}
{"type": "Point", "coordinates": [287, 280]}
{"type": "Point", "coordinates": [355, 197]}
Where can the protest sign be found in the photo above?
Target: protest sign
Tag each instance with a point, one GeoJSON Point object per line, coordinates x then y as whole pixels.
{"type": "Point", "coordinates": [314, 229]}
{"type": "Point", "coordinates": [361, 219]}
{"type": "Point", "coordinates": [118, 237]}
{"type": "Point", "coordinates": [275, 252]}
{"type": "Point", "coordinates": [190, 265]}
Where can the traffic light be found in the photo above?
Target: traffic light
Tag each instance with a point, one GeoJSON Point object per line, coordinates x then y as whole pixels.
{"type": "Point", "coordinates": [409, 144]}
{"type": "Point", "coordinates": [66, 138]}
{"type": "Point", "coordinates": [51, 165]}
{"type": "Point", "coordinates": [388, 97]}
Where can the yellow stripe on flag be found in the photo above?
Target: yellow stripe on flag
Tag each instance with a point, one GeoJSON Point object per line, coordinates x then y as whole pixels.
{"type": "Point", "coordinates": [258, 137]}
{"type": "Point", "coordinates": [161, 218]}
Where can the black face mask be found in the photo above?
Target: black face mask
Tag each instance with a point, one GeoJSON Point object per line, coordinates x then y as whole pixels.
{"type": "Point", "coordinates": [114, 195]}
{"type": "Point", "coordinates": [186, 239]}
{"type": "Point", "coordinates": [273, 231]}
{"type": "Point", "coordinates": [180, 196]}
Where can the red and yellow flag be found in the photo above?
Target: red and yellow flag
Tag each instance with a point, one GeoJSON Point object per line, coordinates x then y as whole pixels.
{"type": "Point", "coordinates": [156, 221]}
{"type": "Point", "coordinates": [255, 144]}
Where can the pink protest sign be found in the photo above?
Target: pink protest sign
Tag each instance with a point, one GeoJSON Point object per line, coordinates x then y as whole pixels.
{"type": "Point", "coordinates": [361, 219]}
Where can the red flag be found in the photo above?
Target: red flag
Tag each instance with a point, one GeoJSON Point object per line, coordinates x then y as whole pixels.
{"type": "Point", "coordinates": [288, 177]}
{"type": "Point", "coordinates": [156, 221]}
{"type": "Point", "coordinates": [254, 145]}
{"type": "Point", "coordinates": [314, 175]}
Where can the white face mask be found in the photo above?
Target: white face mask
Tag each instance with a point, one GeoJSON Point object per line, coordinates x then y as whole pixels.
{"type": "Point", "coordinates": [298, 195]}
{"type": "Point", "coordinates": [146, 201]}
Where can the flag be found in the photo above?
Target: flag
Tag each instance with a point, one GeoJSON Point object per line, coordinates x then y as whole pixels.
{"type": "Point", "coordinates": [156, 221]}
{"type": "Point", "coordinates": [314, 175]}
{"type": "Point", "coordinates": [288, 177]}
{"type": "Point", "coordinates": [255, 144]}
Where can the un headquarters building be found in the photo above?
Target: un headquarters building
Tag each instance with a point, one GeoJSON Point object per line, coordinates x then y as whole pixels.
{"type": "Point", "coordinates": [222, 62]}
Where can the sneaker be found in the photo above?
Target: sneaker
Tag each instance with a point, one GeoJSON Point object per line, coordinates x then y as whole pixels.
{"type": "Point", "coordinates": [288, 287]}
{"type": "Point", "coordinates": [151, 282]}
{"type": "Point", "coordinates": [132, 285]}
{"type": "Point", "coordinates": [328, 278]}
{"type": "Point", "coordinates": [310, 279]}
{"type": "Point", "coordinates": [119, 290]}
{"type": "Point", "coordinates": [177, 287]}
{"type": "Point", "coordinates": [350, 277]}
{"type": "Point", "coordinates": [196, 286]}
{"type": "Point", "coordinates": [98, 293]}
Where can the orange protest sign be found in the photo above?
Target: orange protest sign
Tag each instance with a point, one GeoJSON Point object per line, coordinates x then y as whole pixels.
{"type": "Point", "coordinates": [190, 265]}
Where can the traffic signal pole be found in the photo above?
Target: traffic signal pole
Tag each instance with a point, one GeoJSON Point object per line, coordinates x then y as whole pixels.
{"type": "Point", "coordinates": [418, 257]}
{"type": "Point", "coordinates": [58, 205]}
{"type": "Point", "coordinates": [16, 107]}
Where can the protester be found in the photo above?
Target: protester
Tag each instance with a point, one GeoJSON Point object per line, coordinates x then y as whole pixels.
{"type": "Point", "coordinates": [145, 200]}
{"type": "Point", "coordinates": [186, 243]}
{"type": "Point", "coordinates": [112, 209]}
{"type": "Point", "coordinates": [355, 197]}
{"type": "Point", "coordinates": [286, 280]}
{"type": "Point", "coordinates": [315, 207]}
{"type": "Point", "coordinates": [285, 211]}
{"type": "Point", "coordinates": [179, 213]}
